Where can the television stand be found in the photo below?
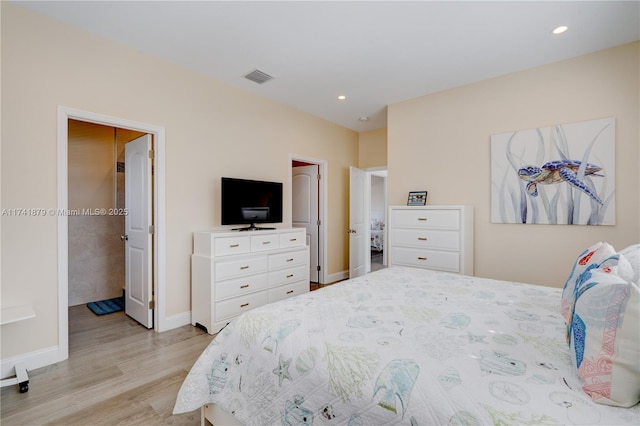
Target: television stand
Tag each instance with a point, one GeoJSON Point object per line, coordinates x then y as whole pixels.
{"type": "Point", "coordinates": [253, 227]}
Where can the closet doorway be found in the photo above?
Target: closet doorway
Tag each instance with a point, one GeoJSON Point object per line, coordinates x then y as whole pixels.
{"type": "Point", "coordinates": [156, 195]}
{"type": "Point", "coordinates": [308, 210]}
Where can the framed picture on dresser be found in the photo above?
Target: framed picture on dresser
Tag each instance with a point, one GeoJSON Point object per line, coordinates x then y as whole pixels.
{"type": "Point", "coordinates": [417, 198]}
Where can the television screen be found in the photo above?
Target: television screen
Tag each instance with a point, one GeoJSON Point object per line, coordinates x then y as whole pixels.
{"type": "Point", "coordinates": [250, 202]}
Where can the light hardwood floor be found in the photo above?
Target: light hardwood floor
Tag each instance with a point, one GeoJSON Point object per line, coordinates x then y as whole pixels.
{"type": "Point", "coordinates": [118, 373]}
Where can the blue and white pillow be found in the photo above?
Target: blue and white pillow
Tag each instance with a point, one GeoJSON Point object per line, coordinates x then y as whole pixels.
{"type": "Point", "coordinates": [605, 338]}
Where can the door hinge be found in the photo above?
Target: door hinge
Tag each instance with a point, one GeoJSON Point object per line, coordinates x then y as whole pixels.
{"type": "Point", "coordinates": [318, 222]}
{"type": "Point", "coordinates": [151, 229]}
{"type": "Point", "coordinates": [318, 177]}
{"type": "Point", "coordinates": [318, 268]}
{"type": "Point", "coordinates": [151, 154]}
{"type": "Point", "coordinates": [152, 304]}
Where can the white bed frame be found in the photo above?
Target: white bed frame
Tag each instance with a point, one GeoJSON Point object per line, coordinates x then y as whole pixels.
{"type": "Point", "coordinates": [211, 414]}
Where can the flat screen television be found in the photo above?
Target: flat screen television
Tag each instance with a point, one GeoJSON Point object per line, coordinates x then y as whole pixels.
{"type": "Point", "coordinates": [250, 202]}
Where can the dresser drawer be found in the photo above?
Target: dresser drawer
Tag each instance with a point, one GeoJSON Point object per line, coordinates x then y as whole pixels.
{"type": "Point", "coordinates": [231, 245]}
{"type": "Point", "coordinates": [288, 290]}
{"type": "Point", "coordinates": [423, 258]}
{"type": "Point", "coordinates": [287, 260]}
{"type": "Point", "coordinates": [293, 239]}
{"type": "Point", "coordinates": [285, 276]}
{"type": "Point", "coordinates": [239, 268]}
{"type": "Point", "coordinates": [440, 219]}
{"type": "Point", "coordinates": [240, 286]}
{"type": "Point", "coordinates": [426, 238]}
{"type": "Point", "coordinates": [264, 242]}
{"type": "Point", "coordinates": [238, 305]}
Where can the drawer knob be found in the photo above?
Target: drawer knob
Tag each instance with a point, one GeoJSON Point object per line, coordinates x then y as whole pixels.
{"type": "Point", "coordinates": [244, 267]}
{"type": "Point", "coordinates": [244, 305]}
{"type": "Point", "coordinates": [293, 239]}
{"type": "Point", "coordinates": [422, 218]}
{"type": "Point", "coordinates": [290, 291]}
{"type": "Point", "coordinates": [234, 245]}
{"type": "Point", "coordinates": [266, 242]}
{"type": "Point", "coordinates": [422, 238]}
{"type": "Point", "coordinates": [422, 258]}
{"type": "Point", "coordinates": [290, 275]}
{"type": "Point", "coordinates": [244, 286]}
{"type": "Point", "coordinates": [290, 259]}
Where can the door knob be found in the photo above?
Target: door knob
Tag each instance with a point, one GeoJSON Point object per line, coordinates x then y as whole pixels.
{"type": "Point", "coordinates": [351, 231]}
{"type": "Point", "coordinates": [124, 237]}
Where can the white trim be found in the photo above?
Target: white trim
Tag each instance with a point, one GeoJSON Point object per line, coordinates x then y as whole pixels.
{"type": "Point", "coordinates": [65, 114]}
{"type": "Point", "coordinates": [178, 320]}
{"type": "Point", "coordinates": [338, 276]}
{"type": "Point", "coordinates": [324, 184]}
{"type": "Point", "coordinates": [31, 360]}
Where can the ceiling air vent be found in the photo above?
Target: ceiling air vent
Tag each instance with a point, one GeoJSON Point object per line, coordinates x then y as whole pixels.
{"type": "Point", "coordinates": [258, 76]}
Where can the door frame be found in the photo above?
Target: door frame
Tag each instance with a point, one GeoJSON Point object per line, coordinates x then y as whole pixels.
{"type": "Point", "coordinates": [159, 244]}
{"type": "Point", "coordinates": [322, 214]}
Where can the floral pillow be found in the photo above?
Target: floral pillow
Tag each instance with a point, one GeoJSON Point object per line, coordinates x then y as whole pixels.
{"type": "Point", "coordinates": [604, 338]}
{"type": "Point", "coordinates": [589, 259]}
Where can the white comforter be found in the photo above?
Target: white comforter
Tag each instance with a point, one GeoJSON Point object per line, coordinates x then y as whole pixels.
{"type": "Point", "coordinates": [399, 346]}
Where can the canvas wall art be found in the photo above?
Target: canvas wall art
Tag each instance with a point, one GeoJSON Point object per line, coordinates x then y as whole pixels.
{"type": "Point", "coordinates": [563, 174]}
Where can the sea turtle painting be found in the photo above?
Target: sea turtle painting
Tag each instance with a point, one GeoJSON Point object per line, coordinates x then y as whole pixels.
{"type": "Point", "coordinates": [559, 171]}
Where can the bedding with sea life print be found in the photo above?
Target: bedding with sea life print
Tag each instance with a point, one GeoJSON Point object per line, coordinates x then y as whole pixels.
{"type": "Point", "coordinates": [400, 346]}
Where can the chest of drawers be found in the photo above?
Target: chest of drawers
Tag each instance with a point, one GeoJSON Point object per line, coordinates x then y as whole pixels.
{"type": "Point", "coordinates": [233, 272]}
{"type": "Point", "coordinates": [433, 237]}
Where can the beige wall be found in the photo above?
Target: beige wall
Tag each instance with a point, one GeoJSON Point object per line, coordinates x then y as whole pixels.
{"type": "Point", "coordinates": [212, 130]}
{"type": "Point", "coordinates": [372, 151]}
{"type": "Point", "coordinates": [444, 139]}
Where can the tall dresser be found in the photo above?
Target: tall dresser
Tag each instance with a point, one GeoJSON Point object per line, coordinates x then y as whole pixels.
{"type": "Point", "coordinates": [233, 272]}
{"type": "Point", "coordinates": [432, 237]}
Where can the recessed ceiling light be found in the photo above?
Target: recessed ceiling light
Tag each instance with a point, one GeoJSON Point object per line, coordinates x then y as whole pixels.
{"type": "Point", "coordinates": [559, 30]}
{"type": "Point", "coordinates": [363, 118]}
{"type": "Point", "coordinates": [342, 97]}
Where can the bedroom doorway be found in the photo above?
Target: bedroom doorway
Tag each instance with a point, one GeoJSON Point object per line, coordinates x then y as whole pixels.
{"type": "Point", "coordinates": [308, 192]}
{"type": "Point", "coordinates": [367, 220]}
{"type": "Point", "coordinates": [153, 196]}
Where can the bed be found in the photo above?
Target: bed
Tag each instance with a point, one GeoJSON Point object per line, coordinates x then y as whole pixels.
{"type": "Point", "coordinates": [377, 240]}
{"type": "Point", "coordinates": [402, 346]}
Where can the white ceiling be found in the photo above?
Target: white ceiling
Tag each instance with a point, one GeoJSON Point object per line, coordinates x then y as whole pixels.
{"type": "Point", "coordinates": [374, 52]}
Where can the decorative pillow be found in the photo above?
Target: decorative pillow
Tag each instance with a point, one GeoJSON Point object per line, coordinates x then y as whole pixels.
{"type": "Point", "coordinates": [632, 254]}
{"type": "Point", "coordinates": [587, 260]}
{"type": "Point", "coordinates": [605, 343]}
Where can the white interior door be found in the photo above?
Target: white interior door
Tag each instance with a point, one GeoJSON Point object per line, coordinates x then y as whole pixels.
{"type": "Point", "coordinates": [138, 232]}
{"type": "Point", "coordinates": [358, 222]}
{"type": "Point", "coordinates": [304, 211]}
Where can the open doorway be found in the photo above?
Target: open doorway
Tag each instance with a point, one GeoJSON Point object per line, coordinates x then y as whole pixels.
{"type": "Point", "coordinates": [378, 219]}
{"type": "Point", "coordinates": [308, 194]}
{"type": "Point", "coordinates": [367, 220]}
{"type": "Point", "coordinates": [156, 196]}
{"type": "Point", "coordinates": [96, 180]}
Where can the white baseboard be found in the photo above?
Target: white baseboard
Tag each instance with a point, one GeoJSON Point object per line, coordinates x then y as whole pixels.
{"type": "Point", "coordinates": [47, 356]}
{"type": "Point", "coordinates": [31, 360]}
{"type": "Point", "coordinates": [339, 276]}
{"type": "Point", "coordinates": [175, 321]}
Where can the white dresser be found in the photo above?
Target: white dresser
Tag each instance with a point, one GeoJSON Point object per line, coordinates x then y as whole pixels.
{"type": "Point", "coordinates": [233, 272]}
{"type": "Point", "coordinates": [433, 237]}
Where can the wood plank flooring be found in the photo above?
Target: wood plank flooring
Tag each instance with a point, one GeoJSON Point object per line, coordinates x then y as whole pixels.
{"type": "Point", "coordinates": [118, 373]}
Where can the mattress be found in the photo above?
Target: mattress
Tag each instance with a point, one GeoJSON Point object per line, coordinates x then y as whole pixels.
{"type": "Point", "coordinates": [399, 346]}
